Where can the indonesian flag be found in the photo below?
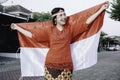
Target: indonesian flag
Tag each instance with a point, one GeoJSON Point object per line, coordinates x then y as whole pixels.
{"type": "Point", "coordinates": [83, 47]}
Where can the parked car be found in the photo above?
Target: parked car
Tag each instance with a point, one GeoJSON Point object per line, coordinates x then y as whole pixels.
{"type": "Point", "coordinates": [117, 48]}
{"type": "Point", "coordinates": [112, 48]}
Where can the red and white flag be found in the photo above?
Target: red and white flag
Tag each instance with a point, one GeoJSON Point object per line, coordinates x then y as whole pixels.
{"type": "Point", "coordinates": [83, 47]}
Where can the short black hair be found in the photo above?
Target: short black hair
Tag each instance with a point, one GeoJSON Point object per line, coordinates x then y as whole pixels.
{"type": "Point", "coordinates": [54, 11]}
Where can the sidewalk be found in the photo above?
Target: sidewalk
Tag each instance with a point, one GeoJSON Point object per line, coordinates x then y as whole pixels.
{"type": "Point", "coordinates": [15, 75]}
{"type": "Point", "coordinates": [107, 68]}
{"type": "Point", "coordinates": [10, 70]}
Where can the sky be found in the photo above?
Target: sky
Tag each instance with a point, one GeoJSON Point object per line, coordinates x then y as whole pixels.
{"type": "Point", "coordinates": [111, 27]}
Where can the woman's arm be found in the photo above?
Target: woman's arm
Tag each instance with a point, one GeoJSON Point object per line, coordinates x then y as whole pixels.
{"type": "Point", "coordinates": [25, 32]}
{"type": "Point", "coordinates": [94, 16]}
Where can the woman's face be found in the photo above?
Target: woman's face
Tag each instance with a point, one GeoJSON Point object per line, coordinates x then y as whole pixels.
{"type": "Point", "coordinates": [61, 18]}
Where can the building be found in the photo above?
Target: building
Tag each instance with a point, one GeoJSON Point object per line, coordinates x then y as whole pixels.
{"type": "Point", "coordinates": [9, 43]}
{"type": "Point", "coordinates": [16, 10]}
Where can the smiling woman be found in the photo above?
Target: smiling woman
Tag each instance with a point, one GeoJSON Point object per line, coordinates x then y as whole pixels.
{"type": "Point", "coordinates": [58, 36]}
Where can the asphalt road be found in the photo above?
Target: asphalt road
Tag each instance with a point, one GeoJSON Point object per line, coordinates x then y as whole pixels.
{"type": "Point", "coordinates": [107, 68]}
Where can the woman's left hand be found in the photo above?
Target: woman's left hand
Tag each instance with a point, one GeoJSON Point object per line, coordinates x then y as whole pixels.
{"type": "Point", "coordinates": [105, 6]}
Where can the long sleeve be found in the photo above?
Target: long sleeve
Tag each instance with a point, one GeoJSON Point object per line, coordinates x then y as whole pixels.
{"type": "Point", "coordinates": [79, 28]}
{"type": "Point", "coordinates": [77, 22]}
{"type": "Point", "coordinates": [39, 32]}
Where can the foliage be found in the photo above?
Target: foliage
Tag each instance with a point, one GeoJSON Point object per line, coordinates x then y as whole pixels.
{"type": "Point", "coordinates": [42, 16]}
{"type": "Point", "coordinates": [107, 41]}
{"type": "Point", "coordinates": [101, 41]}
{"type": "Point", "coordinates": [115, 10]}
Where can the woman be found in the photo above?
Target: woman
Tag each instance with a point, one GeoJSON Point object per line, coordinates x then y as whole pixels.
{"type": "Point", "coordinates": [58, 64]}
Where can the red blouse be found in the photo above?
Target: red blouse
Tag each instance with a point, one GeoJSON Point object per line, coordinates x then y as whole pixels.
{"type": "Point", "coordinates": [59, 55]}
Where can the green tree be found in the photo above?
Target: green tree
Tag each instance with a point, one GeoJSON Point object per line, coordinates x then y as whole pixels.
{"type": "Point", "coordinates": [115, 10]}
{"type": "Point", "coordinates": [101, 41]}
{"type": "Point", "coordinates": [42, 16]}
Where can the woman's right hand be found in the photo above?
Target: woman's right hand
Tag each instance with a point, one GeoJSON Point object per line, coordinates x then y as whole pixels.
{"type": "Point", "coordinates": [14, 26]}
{"type": "Point", "coordinates": [25, 32]}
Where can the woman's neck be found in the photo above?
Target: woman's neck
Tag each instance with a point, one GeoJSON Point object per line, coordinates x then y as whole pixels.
{"type": "Point", "coordinates": [60, 27]}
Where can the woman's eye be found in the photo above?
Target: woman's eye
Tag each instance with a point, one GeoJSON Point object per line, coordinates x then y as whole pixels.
{"type": "Point", "coordinates": [60, 14]}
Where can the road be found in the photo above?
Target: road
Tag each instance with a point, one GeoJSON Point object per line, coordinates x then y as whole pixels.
{"type": "Point", "coordinates": [107, 68]}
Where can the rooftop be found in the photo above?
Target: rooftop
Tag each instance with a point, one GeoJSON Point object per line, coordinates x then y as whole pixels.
{"type": "Point", "coordinates": [14, 8]}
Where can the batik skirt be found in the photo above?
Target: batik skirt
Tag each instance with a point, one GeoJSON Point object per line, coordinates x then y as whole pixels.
{"type": "Point", "coordinates": [55, 74]}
